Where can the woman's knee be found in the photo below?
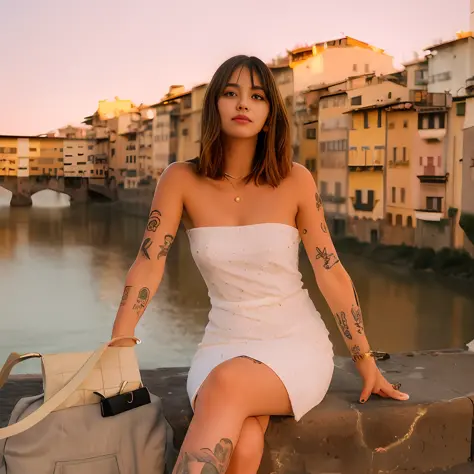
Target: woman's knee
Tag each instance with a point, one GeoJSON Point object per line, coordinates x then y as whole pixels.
{"type": "Point", "coordinates": [221, 386]}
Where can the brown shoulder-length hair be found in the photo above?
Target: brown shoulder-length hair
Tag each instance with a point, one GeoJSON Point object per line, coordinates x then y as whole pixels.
{"type": "Point", "coordinates": [273, 154]}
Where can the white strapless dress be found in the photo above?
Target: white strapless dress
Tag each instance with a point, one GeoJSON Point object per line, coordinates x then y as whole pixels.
{"type": "Point", "coordinates": [259, 309]}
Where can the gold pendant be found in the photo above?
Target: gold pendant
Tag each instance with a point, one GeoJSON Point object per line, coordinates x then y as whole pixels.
{"type": "Point", "coordinates": [237, 199]}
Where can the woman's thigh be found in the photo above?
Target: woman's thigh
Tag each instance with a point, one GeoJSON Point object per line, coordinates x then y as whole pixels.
{"type": "Point", "coordinates": [250, 387]}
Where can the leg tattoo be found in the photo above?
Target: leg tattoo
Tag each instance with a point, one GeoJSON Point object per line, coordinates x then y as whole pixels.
{"type": "Point", "coordinates": [215, 462]}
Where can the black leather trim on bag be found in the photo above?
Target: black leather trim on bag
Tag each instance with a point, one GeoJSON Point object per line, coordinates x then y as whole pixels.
{"type": "Point", "coordinates": [124, 402]}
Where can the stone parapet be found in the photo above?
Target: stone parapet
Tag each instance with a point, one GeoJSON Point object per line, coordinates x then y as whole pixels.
{"type": "Point", "coordinates": [432, 432]}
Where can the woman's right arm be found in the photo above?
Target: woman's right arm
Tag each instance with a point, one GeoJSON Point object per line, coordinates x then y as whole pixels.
{"type": "Point", "coordinates": [144, 276]}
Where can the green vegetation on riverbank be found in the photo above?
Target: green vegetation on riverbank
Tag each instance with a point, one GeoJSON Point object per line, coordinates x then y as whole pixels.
{"type": "Point", "coordinates": [446, 262]}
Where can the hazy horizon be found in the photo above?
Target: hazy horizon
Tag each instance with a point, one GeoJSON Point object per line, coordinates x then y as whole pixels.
{"type": "Point", "coordinates": [60, 60]}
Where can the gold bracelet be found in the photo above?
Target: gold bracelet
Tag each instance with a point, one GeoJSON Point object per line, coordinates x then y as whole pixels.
{"type": "Point", "coordinates": [365, 355]}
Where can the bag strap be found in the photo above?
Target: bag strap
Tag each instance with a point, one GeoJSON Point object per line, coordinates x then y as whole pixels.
{"type": "Point", "coordinates": [12, 360]}
{"type": "Point", "coordinates": [59, 397]}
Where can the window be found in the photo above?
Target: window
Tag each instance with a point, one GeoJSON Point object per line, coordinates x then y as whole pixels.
{"type": "Point", "coordinates": [311, 164]}
{"type": "Point", "coordinates": [394, 154]}
{"type": "Point", "coordinates": [434, 203]}
{"type": "Point", "coordinates": [90, 147]}
{"type": "Point", "coordinates": [439, 161]}
{"type": "Point", "coordinates": [389, 95]}
{"type": "Point", "coordinates": [379, 118]}
{"type": "Point", "coordinates": [405, 124]}
{"type": "Point", "coordinates": [399, 219]}
{"type": "Point", "coordinates": [404, 158]}
{"type": "Point", "coordinates": [33, 150]}
{"type": "Point", "coordinates": [366, 68]}
{"type": "Point", "coordinates": [322, 147]}
{"type": "Point", "coordinates": [421, 77]}
{"type": "Point", "coordinates": [357, 100]}
{"type": "Point", "coordinates": [311, 133]}
{"type": "Point", "coordinates": [402, 195]}
{"type": "Point", "coordinates": [394, 194]}
{"type": "Point", "coordinates": [421, 161]}
{"type": "Point", "coordinates": [187, 101]}
{"type": "Point", "coordinates": [461, 109]}
{"type": "Point", "coordinates": [366, 119]}
{"type": "Point", "coordinates": [354, 67]}
{"type": "Point", "coordinates": [409, 221]}
{"type": "Point", "coordinates": [324, 188]}
{"type": "Point", "coordinates": [338, 189]}
{"type": "Point", "coordinates": [389, 218]}
{"type": "Point", "coordinates": [185, 132]}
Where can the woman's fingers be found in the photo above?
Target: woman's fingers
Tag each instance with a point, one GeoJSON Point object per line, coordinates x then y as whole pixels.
{"type": "Point", "coordinates": [392, 392]}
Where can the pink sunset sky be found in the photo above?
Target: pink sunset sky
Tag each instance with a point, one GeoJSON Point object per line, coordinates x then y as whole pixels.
{"type": "Point", "coordinates": [58, 58]}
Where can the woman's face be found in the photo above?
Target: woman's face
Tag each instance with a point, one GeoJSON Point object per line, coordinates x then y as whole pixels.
{"type": "Point", "coordinates": [243, 109]}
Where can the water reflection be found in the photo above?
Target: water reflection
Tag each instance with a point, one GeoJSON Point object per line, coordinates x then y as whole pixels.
{"type": "Point", "coordinates": [63, 270]}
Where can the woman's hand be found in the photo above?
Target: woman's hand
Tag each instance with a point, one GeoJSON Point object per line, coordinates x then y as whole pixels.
{"type": "Point", "coordinates": [375, 382]}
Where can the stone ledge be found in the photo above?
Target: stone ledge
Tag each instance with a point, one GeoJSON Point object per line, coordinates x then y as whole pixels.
{"type": "Point", "coordinates": [432, 432]}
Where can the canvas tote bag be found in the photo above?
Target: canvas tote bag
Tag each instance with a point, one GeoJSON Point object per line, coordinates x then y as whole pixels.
{"type": "Point", "coordinates": [63, 432]}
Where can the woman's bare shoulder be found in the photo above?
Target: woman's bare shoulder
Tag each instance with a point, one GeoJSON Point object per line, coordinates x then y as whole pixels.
{"type": "Point", "coordinates": [179, 173]}
{"type": "Point", "coordinates": [302, 178]}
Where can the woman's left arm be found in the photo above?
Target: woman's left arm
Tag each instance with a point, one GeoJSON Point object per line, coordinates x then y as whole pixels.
{"type": "Point", "coordinates": [336, 285]}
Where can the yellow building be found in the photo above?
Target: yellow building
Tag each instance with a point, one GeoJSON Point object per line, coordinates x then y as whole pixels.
{"type": "Point", "coordinates": [8, 156]}
{"type": "Point", "coordinates": [367, 160]}
{"type": "Point", "coordinates": [401, 178]}
{"type": "Point", "coordinates": [51, 159]}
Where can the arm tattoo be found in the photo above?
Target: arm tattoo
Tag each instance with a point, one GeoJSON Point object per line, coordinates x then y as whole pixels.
{"type": "Point", "coordinates": [357, 316]}
{"type": "Point", "coordinates": [319, 202]}
{"type": "Point", "coordinates": [342, 323]}
{"type": "Point", "coordinates": [126, 291]}
{"type": "Point", "coordinates": [329, 258]}
{"type": "Point", "coordinates": [324, 227]}
{"type": "Point", "coordinates": [355, 294]}
{"type": "Point", "coordinates": [154, 220]}
{"type": "Point", "coordinates": [215, 462]}
{"type": "Point", "coordinates": [305, 231]}
{"type": "Point", "coordinates": [142, 300]}
{"type": "Point", "coordinates": [145, 246]}
{"type": "Point", "coordinates": [355, 350]}
{"type": "Point", "coordinates": [165, 248]}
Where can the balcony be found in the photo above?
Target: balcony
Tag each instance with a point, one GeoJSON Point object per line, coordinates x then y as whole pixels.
{"type": "Point", "coordinates": [399, 164]}
{"type": "Point", "coordinates": [470, 86]}
{"type": "Point", "coordinates": [333, 199]}
{"type": "Point", "coordinates": [431, 100]}
{"type": "Point", "coordinates": [429, 176]}
{"type": "Point", "coordinates": [430, 215]}
{"type": "Point", "coordinates": [432, 133]}
{"type": "Point", "coordinates": [366, 167]}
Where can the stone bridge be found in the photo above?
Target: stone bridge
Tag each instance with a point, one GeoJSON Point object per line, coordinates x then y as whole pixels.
{"type": "Point", "coordinates": [77, 188]}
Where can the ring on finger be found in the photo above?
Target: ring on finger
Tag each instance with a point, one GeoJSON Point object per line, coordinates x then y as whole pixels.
{"type": "Point", "coordinates": [397, 385]}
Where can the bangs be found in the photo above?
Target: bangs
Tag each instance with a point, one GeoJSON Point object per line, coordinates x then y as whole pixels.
{"type": "Point", "coordinates": [257, 73]}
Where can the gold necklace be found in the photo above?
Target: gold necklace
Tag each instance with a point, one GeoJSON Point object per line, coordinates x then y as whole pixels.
{"type": "Point", "coordinates": [227, 176]}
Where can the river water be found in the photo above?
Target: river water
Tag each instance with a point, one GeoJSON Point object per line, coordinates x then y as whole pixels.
{"type": "Point", "coordinates": [62, 272]}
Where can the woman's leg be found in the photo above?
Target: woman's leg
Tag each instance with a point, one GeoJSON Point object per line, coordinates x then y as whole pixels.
{"type": "Point", "coordinates": [249, 450]}
{"type": "Point", "coordinates": [233, 391]}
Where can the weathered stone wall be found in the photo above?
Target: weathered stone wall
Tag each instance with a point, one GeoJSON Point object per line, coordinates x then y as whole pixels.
{"type": "Point", "coordinates": [397, 235]}
{"type": "Point", "coordinates": [435, 235]}
{"type": "Point", "coordinates": [430, 433]}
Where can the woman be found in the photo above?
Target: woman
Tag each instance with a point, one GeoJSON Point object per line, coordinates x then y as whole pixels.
{"type": "Point", "coordinates": [246, 206]}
